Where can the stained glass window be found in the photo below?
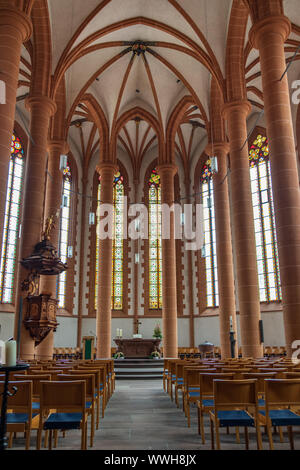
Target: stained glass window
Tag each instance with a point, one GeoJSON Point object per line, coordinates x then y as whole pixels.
{"type": "Point", "coordinates": [155, 250]}
{"type": "Point", "coordinates": [264, 221]}
{"type": "Point", "coordinates": [209, 248]}
{"type": "Point", "coordinates": [64, 233]}
{"type": "Point", "coordinates": [117, 245]}
{"type": "Point", "coordinates": [11, 221]}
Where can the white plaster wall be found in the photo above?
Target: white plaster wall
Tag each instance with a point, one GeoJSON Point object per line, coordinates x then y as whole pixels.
{"type": "Point", "coordinates": [207, 329]}
{"type": "Point", "coordinates": [183, 332]}
{"type": "Point", "coordinates": [7, 325]}
{"type": "Point", "coordinates": [66, 333]}
{"type": "Point", "coordinates": [273, 329]}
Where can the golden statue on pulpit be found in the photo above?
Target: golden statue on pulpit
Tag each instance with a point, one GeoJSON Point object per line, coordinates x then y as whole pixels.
{"type": "Point", "coordinates": [49, 225]}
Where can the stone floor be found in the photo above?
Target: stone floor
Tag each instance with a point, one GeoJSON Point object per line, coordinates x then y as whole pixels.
{"type": "Point", "coordinates": [141, 416]}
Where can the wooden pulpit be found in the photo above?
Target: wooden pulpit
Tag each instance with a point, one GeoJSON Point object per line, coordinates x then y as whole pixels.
{"type": "Point", "coordinates": [88, 347]}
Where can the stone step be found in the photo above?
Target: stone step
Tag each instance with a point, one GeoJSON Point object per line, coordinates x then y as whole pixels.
{"type": "Point", "coordinates": [140, 371]}
{"type": "Point", "coordinates": [143, 365]}
{"type": "Point", "coordinates": [138, 377]}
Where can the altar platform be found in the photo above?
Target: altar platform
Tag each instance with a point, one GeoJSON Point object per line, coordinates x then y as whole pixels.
{"type": "Point", "coordinates": [137, 347]}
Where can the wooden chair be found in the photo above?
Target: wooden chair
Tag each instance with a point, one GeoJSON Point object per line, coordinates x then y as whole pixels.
{"type": "Point", "coordinates": [20, 415]}
{"type": "Point", "coordinates": [63, 407]}
{"type": "Point", "coordinates": [179, 372]}
{"type": "Point", "coordinates": [206, 396]}
{"type": "Point", "coordinates": [100, 387]}
{"type": "Point", "coordinates": [232, 399]}
{"type": "Point", "coordinates": [191, 388]}
{"type": "Point", "coordinates": [282, 397]}
{"type": "Point", "coordinates": [90, 397]}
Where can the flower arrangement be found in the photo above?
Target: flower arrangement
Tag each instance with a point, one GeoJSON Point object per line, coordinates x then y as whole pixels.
{"type": "Point", "coordinates": [154, 355]}
{"type": "Point", "coordinates": [119, 355]}
{"type": "Point", "coordinates": [157, 332]}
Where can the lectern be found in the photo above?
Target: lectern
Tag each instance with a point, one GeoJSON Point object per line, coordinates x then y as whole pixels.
{"type": "Point", "coordinates": [88, 347]}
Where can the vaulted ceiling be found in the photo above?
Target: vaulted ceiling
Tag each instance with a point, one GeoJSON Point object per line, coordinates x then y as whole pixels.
{"type": "Point", "coordinates": [146, 54]}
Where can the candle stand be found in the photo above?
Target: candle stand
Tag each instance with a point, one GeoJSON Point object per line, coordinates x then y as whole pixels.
{"type": "Point", "coordinates": [5, 394]}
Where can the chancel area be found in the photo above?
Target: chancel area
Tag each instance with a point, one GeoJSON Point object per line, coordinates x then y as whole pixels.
{"type": "Point", "coordinates": [150, 222]}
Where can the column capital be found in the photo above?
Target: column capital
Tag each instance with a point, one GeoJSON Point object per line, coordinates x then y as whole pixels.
{"type": "Point", "coordinates": [167, 168]}
{"type": "Point", "coordinates": [217, 148]}
{"type": "Point", "coordinates": [17, 19]}
{"type": "Point", "coordinates": [242, 106]}
{"type": "Point", "coordinates": [48, 105]}
{"type": "Point", "coordinates": [106, 168]}
{"type": "Point", "coordinates": [58, 145]}
{"type": "Point", "coordinates": [272, 24]}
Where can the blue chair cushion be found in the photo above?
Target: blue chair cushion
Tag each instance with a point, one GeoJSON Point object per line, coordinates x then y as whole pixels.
{"type": "Point", "coordinates": [283, 417]}
{"type": "Point", "coordinates": [35, 405]}
{"type": "Point", "coordinates": [14, 418]}
{"type": "Point", "coordinates": [180, 381]}
{"type": "Point", "coordinates": [261, 402]}
{"type": "Point", "coordinates": [234, 418]}
{"type": "Point", "coordinates": [208, 402]}
{"type": "Point", "coordinates": [63, 421]}
{"type": "Point", "coordinates": [88, 404]}
{"type": "Point", "coordinates": [194, 394]}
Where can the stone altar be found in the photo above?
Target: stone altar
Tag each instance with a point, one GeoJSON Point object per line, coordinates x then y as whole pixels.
{"type": "Point", "coordinates": [137, 347]}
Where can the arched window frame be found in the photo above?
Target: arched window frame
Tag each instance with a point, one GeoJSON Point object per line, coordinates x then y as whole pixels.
{"type": "Point", "coordinates": [209, 252]}
{"type": "Point", "coordinates": [64, 234]}
{"type": "Point", "coordinates": [155, 241]}
{"type": "Point", "coordinates": [264, 218]}
{"type": "Point", "coordinates": [11, 226]}
{"type": "Point", "coordinates": [94, 246]}
{"type": "Point", "coordinates": [70, 280]}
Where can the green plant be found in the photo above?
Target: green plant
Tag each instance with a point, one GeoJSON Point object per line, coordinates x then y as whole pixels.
{"type": "Point", "coordinates": [157, 332]}
{"type": "Point", "coordinates": [118, 355]}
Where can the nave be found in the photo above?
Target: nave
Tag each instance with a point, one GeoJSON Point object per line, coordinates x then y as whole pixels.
{"type": "Point", "coordinates": [141, 416]}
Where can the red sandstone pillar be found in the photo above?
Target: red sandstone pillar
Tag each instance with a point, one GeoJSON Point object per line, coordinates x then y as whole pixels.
{"type": "Point", "coordinates": [227, 306]}
{"type": "Point", "coordinates": [268, 36]}
{"type": "Point", "coordinates": [41, 108]}
{"type": "Point", "coordinates": [52, 206]}
{"type": "Point", "coordinates": [243, 226]}
{"type": "Point", "coordinates": [169, 299]}
{"type": "Point", "coordinates": [15, 28]}
{"type": "Point", "coordinates": [103, 319]}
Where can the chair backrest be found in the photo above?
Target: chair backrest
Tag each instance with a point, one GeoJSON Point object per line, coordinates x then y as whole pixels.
{"type": "Point", "coordinates": [191, 375]}
{"type": "Point", "coordinates": [36, 381]}
{"type": "Point", "coordinates": [292, 375]}
{"type": "Point", "coordinates": [22, 401]}
{"type": "Point", "coordinates": [207, 381]}
{"type": "Point", "coordinates": [260, 377]}
{"type": "Point", "coordinates": [234, 394]}
{"type": "Point", "coordinates": [90, 380]}
{"type": "Point", "coordinates": [280, 392]}
{"type": "Point", "coordinates": [99, 374]}
{"type": "Point", "coordinates": [63, 396]}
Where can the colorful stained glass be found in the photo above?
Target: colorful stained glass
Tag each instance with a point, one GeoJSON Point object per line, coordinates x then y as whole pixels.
{"type": "Point", "coordinates": [264, 221]}
{"type": "Point", "coordinates": [117, 248]}
{"type": "Point", "coordinates": [259, 150]}
{"type": "Point", "coordinates": [212, 292]}
{"type": "Point", "coordinates": [64, 234]}
{"type": "Point", "coordinates": [11, 221]}
{"type": "Point", "coordinates": [155, 252]}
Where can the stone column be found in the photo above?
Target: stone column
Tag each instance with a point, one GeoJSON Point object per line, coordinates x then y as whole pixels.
{"type": "Point", "coordinates": [268, 36]}
{"type": "Point", "coordinates": [15, 28]}
{"type": "Point", "coordinates": [41, 108]}
{"type": "Point", "coordinates": [84, 222]}
{"type": "Point", "coordinates": [52, 207]}
{"type": "Point", "coordinates": [103, 319]}
{"type": "Point", "coordinates": [190, 254]}
{"type": "Point", "coordinates": [169, 299]}
{"type": "Point", "coordinates": [243, 226]}
{"type": "Point", "coordinates": [227, 306]}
